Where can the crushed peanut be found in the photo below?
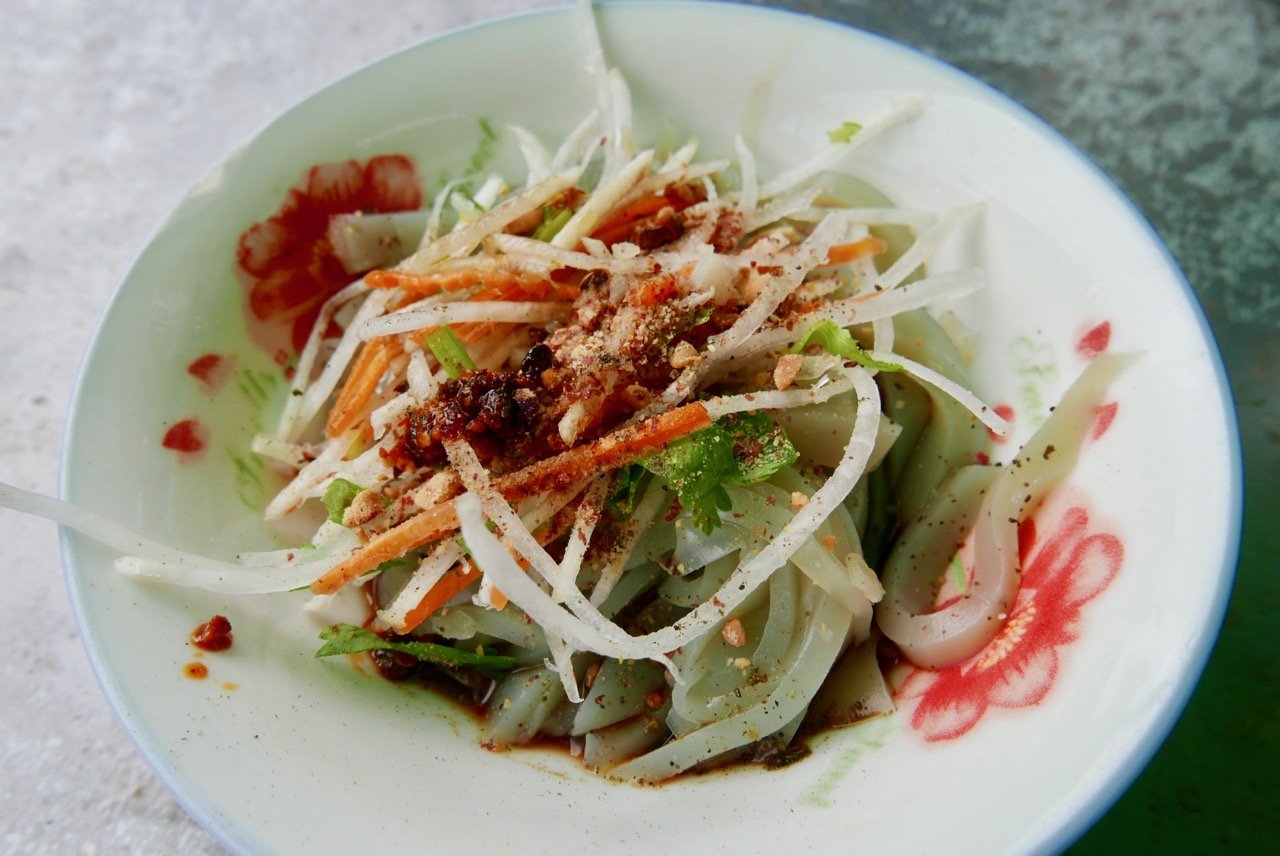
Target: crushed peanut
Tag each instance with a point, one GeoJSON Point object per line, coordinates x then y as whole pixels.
{"type": "Point", "coordinates": [636, 396]}
{"type": "Point", "coordinates": [367, 505]}
{"type": "Point", "coordinates": [683, 355]}
{"type": "Point", "coordinates": [734, 633]}
{"type": "Point", "coordinates": [798, 500]}
{"type": "Point", "coordinates": [788, 367]}
{"type": "Point", "coordinates": [441, 487]}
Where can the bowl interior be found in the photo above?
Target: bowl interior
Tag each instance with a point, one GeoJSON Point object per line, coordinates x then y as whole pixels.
{"type": "Point", "coordinates": [274, 741]}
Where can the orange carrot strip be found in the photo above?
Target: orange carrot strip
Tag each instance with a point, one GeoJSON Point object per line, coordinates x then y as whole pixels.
{"type": "Point", "coordinates": [431, 525]}
{"type": "Point", "coordinates": [454, 580]}
{"type": "Point", "coordinates": [654, 290]}
{"type": "Point", "coordinates": [624, 219]}
{"type": "Point", "coordinates": [426, 284]}
{"type": "Point", "coordinates": [498, 600]}
{"type": "Point", "coordinates": [457, 579]}
{"type": "Point", "coordinates": [868, 246]}
{"type": "Point", "coordinates": [624, 446]}
{"type": "Point", "coordinates": [366, 371]}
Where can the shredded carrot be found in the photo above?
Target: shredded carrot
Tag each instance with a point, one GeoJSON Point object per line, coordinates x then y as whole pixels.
{"type": "Point", "coordinates": [624, 446]}
{"type": "Point", "coordinates": [619, 226]}
{"type": "Point", "coordinates": [844, 253]}
{"type": "Point", "coordinates": [430, 525]}
{"type": "Point", "coordinates": [419, 285]}
{"type": "Point", "coordinates": [454, 580]}
{"type": "Point", "coordinates": [654, 290]}
{"type": "Point", "coordinates": [498, 600]}
{"type": "Point", "coordinates": [366, 371]}
{"type": "Point", "coordinates": [457, 578]}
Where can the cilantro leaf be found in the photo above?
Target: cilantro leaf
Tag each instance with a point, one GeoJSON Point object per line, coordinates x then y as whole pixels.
{"type": "Point", "coordinates": [739, 449]}
{"type": "Point", "coordinates": [626, 489]}
{"type": "Point", "coordinates": [349, 639]}
{"type": "Point", "coordinates": [760, 446]}
{"type": "Point", "coordinates": [834, 339]}
{"type": "Point", "coordinates": [844, 133]}
{"type": "Point", "coordinates": [337, 496]}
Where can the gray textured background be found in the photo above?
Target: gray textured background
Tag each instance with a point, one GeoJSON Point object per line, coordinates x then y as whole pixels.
{"type": "Point", "coordinates": [110, 110]}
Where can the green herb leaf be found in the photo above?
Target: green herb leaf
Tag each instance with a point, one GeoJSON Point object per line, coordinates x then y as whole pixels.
{"type": "Point", "coordinates": [760, 446]}
{"type": "Point", "coordinates": [626, 489]}
{"type": "Point", "coordinates": [741, 449]}
{"type": "Point", "coordinates": [337, 496]}
{"type": "Point", "coordinates": [349, 639]}
{"type": "Point", "coordinates": [449, 352]}
{"type": "Point", "coordinates": [844, 133]}
{"type": "Point", "coordinates": [553, 220]}
{"type": "Point", "coordinates": [836, 340]}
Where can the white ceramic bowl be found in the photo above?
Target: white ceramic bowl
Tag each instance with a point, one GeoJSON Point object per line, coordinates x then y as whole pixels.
{"type": "Point", "coordinates": [276, 751]}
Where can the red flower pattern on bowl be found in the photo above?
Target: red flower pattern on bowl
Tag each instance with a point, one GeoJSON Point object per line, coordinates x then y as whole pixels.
{"type": "Point", "coordinates": [286, 263]}
{"type": "Point", "coordinates": [1073, 562]}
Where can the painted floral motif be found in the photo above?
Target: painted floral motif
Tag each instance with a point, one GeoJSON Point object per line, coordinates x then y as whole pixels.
{"type": "Point", "coordinates": [1062, 571]}
{"type": "Point", "coordinates": [1064, 568]}
{"type": "Point", "coordinates": [286, 262]}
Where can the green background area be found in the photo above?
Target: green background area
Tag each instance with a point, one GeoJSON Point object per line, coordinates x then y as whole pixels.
{"type": "Point", "coordinates": [1179, 102]}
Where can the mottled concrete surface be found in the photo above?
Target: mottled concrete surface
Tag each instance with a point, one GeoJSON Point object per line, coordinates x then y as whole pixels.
{"type": "Point", "coordinates": [110, 110]}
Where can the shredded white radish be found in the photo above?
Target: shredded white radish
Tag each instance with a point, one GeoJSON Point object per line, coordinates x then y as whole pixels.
{"type": "Point", "coordinates": [286, 425]}
{"type": "Point", "coordinates": [830, 158]}
{"type": "Point", "coordinates": [536, 158]}
{"type": "Point", "coordinates": [775, 399]}
{"type": "Point", "coordinates": [588, 215]}
{"type": "Point", "coordinates": [317, 394]}
{"type": "Point", "coordinates": [462, 241]}
{"type": "Point", "coordinates": [655, 496]}
{"type": "Point", "coordinates": [750, 193]}
{"type": "Point", "coordinates": [412, 319]}
{"type": "Point", "coordinates": [923, 248]}
{"type": "Point", "coordinates": [584, 526]}
{"type": "Point", "coordinates": [994, 421]}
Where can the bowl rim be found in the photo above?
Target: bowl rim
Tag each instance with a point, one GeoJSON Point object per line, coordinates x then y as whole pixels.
{"type": "Point", "coordinates": [1135, 757]}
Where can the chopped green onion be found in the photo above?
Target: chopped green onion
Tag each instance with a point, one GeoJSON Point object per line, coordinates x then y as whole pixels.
{"type": "Point", "coordinates": [553, 220]}
{"type": "Point", "coordinates": [449, 352]}
{"type": "Point", "coordinates": [338, 496]}
{"type": "Point", "coordinates": [349, 639]}
{"type": "Point", "coordinates": [834, 339]}
{"type": "Point", "coordinates": [844, 133]}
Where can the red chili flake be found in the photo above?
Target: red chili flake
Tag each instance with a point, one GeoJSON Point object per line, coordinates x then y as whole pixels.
{"type": "Point", "coordinates": [196, 671]}
{"type": "Point", "coordinates": [213, 635]}
{"type": "Point", "coordinates": [1094, 342]}
{"type": "Point", "coordinates": [982, 458]}
{"type": "Point", "coordinates": [211, 370]}
{"type": "Point", "coordinates": [286, 264]}
{"type": "Point", "coordinates": [187, 437]}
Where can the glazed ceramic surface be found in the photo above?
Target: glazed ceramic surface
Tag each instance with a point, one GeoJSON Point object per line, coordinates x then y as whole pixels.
{"type": "Point", "coordinates": [1127, 566]}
